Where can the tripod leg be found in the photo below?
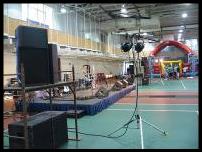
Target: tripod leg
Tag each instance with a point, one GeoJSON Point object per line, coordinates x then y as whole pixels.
{"type": "Point", "coordinates": [125, 125]}
{"type": "Point", "coordinates": [155, 127]}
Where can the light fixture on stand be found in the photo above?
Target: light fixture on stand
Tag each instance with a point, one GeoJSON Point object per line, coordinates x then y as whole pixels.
{"type": "Point", "coordinates": [62, 9]}
{"type": "Point", "coordinates": [137, 45]}
{"type": "Point", "coordinates": [184, 15]}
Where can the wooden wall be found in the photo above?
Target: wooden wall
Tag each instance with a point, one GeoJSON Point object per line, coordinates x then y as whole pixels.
{"type": "Point", "coordinates": [10, 24]}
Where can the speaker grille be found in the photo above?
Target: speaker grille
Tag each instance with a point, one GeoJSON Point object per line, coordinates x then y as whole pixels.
{"type": "Point", "coordinates": [32, 52]}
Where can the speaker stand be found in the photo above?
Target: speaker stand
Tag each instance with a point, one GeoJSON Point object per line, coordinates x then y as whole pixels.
{"type": "Point", "coordinates": [138, 118]}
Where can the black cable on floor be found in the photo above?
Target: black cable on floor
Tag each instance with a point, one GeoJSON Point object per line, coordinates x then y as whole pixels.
{"type": "Point", "coordinates": [105, 136]}
{"type": "Point", "coordinates": [126, 125]}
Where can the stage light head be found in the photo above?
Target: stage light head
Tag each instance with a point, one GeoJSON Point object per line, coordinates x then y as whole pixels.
{"type": "Point", "coordinates": [62, 9]}
{"type": "Point", "coordinates": [139, 47]}
{"type": "Point", "coordinates": [126, 46]}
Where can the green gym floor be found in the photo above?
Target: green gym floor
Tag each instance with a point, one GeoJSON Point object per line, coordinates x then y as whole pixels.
{"type": "Point", "coordinates": [177, 115]}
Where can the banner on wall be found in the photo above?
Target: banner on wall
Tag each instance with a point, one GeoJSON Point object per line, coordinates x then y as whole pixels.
{"type": "Point", "coordinates": [37, 23]}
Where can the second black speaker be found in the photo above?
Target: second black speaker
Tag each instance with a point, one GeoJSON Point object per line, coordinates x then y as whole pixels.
{"type": "Point", "coordinates": [53, 63]}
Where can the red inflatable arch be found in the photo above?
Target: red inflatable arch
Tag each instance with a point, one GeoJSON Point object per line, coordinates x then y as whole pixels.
{"type": "Point", "coordinates": [177, 44]}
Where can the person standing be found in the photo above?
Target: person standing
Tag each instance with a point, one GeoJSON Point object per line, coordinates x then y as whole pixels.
{"type": "Point", "coordinates": [166, 72]}
{"type": "Point", "coordinates": [178, 72]}
{"type": "Point", "coordinates": [175, 71]}
{"type": "Point", "coordinates": [169, 71]}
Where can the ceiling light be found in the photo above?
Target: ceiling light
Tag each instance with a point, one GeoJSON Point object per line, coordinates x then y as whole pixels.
{"type": "Point", "coordinates": [63, 10]}
{"type": "Point", "coordinates": [123, 10]}
{"type": "Point", "coordinates": [180, 31]}
{"type": "Point", "coordinates": [156, 60]}
{"type": "Point", "coordinates": [144, 34]}
{"type": "Point", "coordinates": [124, 15]}
{"type": "Point", "coordinates": [184, 15]}
{"type": "Point", "coordinates": [182, 26]}
{"type": "Point", "coordinates": [179, 36]}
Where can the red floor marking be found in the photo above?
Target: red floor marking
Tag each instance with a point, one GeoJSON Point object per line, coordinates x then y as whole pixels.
{"type": "Point", "coordinates": [144, 97]}
{"type": "Point", "coordinates": [155, 93]}
{"type": "Point", "coordinates": [160, 100]}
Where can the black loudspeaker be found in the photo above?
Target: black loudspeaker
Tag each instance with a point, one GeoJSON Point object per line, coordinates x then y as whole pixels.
{"type": "Point", "coordinates": [102, 93]}
{"type": "Point", "coordinates": [117, 86]}
{"type": "Point", "coordinates": [130, 69]}
{"type": "Point", "coordinates": [126, 46]}
{"type": "Point", "coordinates": [139, 47]}
{"type": "Point", "coordinates": [31, 37]}
{"type": "Point", "coordinates": [145, 81]}
{"type": "Point", "coordinates": [125, 83]}
{"type": "Point", "coordinates": [46, 130]}
{"type": "Point", "coordinates": [142, 63]}
{"type": "Point", "coordinates": [53, 65]}
{"type": "Point", "coordinates": [130, 80]}
{"type": "Point", "coordinates": [32, 52]}
{"type": "Point", "coordinates": [59, 69]}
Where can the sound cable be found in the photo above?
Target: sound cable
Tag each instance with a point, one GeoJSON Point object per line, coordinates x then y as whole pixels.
{"type": "Point", "coordinates": [126, 125]}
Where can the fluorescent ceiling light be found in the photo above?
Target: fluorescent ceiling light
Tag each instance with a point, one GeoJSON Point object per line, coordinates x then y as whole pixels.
{"type": "Point", "coordinates": [63, 10]}
{"type": "Point", "coordinates": [182, 26]}
{"type": "Point", "coordinates": [124, 15]}
{"type": "Point", "coordinates": [123, 10]}
{"type": "Point", "coordinates": [180, 31]}
{"type": "Point", "coordinates": [144, 34]}
{"type": "Point", "coordinates": [179, 36]}
{"type": "Point", "coordinates": [184, 15]}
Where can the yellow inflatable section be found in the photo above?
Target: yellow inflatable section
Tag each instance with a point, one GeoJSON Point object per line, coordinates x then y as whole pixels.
{"type": "Point", "coordinates": [163, 63]}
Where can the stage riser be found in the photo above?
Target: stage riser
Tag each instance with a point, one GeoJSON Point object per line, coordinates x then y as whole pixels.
{"type": "Point", "coordinates": [90, 109]}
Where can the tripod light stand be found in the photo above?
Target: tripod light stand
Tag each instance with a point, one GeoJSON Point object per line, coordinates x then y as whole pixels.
{"type": "Point", "coordinates": [138, 47]}
{"type": "Point", "coordinates": [138, 118]}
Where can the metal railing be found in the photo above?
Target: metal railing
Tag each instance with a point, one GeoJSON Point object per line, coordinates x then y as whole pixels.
{"type": "Point", "coordinates": [25, 89]}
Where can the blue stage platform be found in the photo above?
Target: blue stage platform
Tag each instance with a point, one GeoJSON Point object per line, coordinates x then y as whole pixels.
{"type": "Point", "coordinates": [91, 107]}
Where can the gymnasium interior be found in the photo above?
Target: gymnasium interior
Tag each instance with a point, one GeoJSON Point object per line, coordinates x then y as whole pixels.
{"type": "Point", "coordinates": [100, 76]}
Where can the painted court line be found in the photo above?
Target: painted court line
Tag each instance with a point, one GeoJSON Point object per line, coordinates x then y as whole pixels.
{"type": "Point", "coordinates": [141, 134]}
{"type": "Point", "coordinates": [162, 81]}
{"type": "Point", "coordinates": [183, 85]}
{"type": "Point", "coordinates": [154, 110]}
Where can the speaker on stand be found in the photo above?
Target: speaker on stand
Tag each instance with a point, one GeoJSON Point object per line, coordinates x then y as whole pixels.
{"type": "Point", "coordinates": [59, 69]}
{"type": "Point", "coordinates": [32, 52]}
{"type": "Point", "coordinates": [53, 63]}
{"type": "Point", "coordinates": [130, 69]}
